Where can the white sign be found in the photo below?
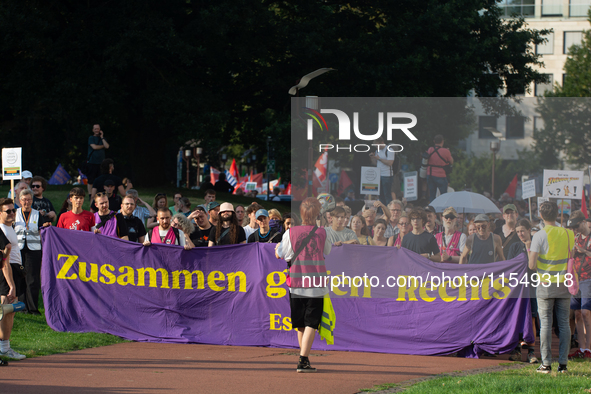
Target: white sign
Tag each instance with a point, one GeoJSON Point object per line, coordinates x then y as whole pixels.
{"type": "Point", "coordinates": [411, 186]}
{"type": "Point", "coordinates": [11, 163]}
{"type": "Point", "coordinates": [563, 184]}
{"type": "Point", "coordinates": [370, 181]}
{"type": "Point", "coordinates": [250, 186]}
{"type": "Point", "coordinates": [528, 189]}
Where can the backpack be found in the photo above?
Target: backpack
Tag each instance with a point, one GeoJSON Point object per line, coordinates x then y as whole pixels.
{"type": "Point", "coordinates": [447, 168]}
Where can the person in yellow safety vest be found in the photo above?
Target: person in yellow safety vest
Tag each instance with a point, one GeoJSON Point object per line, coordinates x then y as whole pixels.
{"type": "Point", "coordinates": [549, 253]}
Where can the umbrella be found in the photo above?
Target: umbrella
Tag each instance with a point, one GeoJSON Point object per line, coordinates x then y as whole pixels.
{"type": "Point", "coordinates": [465, 202]}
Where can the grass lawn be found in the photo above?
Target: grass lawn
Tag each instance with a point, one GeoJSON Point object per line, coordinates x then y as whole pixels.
{"type": "Point", "coordinates": [523, 380]}
{"type": "Point", "coordinates": [32, 336]}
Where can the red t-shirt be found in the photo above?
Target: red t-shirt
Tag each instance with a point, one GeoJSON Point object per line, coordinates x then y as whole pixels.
{"type": "Point", "coordinates": [435, 160]}
{"type": "Point", "coordinates": [83, 221]}
{"type": "Point", "coordinates": [582, 262]}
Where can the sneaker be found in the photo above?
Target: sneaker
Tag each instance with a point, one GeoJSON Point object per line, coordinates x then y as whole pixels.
{"type": "Point", "coordinates": [3, 363]}
{"type": "Point", "coordinates": [13, 355]}
{"type": "Point", "coordinates": [577, 353]}
{"type": "Point", "coordinates": [562, 368]}
{"type": "Point", "coordinates": [515, 356]}
{"type": "Point", "coordinates": [544, 369]}
{"type": "Point", "coordinates": [305, 367]}
{"type": "Point", "coordinates": [587, 354]}
{"type": "Point", "coordinates": [531, 358]}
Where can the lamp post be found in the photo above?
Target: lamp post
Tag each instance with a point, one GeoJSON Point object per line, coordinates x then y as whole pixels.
{"type": "Point", "coordinates": [495, 146]}
{"type": "Point", "coordinates": [254, 162]}
{"type": "Point", "coordinates": [197, 153]}
{"type": "Point", "coordinates": [188, 154]}
{"type": "Point", "coordinates": [224, 159]}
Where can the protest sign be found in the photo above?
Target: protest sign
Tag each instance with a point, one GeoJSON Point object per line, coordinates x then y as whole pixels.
{"type": "Point", "coordinates": [411, 186]}
{"type": "Point", "coordinates": [370, 181]}
{"type": "Point", "coordinates": [563, 184]}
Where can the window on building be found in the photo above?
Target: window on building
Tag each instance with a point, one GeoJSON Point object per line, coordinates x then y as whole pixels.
{"type": "Point", "coordinates": [546, 48]}
{"type": "Point", "coordinates": [572, 38]}
{"type": "Point", "coordinates": [538, 124]}
{"type": "Point", "coordinates": [579, 7]}
{"type": "Point", "coordinates": [552, 7]}
{"type": "Point", "coordinates": [486, 121]}
{"type": "Point", "coordinates": [515, 127]}
{"type": "Point", "coordinates": [525, 8]}
{"type": "Point", "coordinates": [542, 87]}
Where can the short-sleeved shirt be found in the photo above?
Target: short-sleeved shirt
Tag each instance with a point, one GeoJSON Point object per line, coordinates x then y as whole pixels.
{"type": "Point", "coordinates": [95, 156]}
{"type": "Point", "coordinates": [99, 182]}
{"type": "Point", "coordinates": [83, 221]}
{"type": "Point", "coordinates": [340, 236]}
{"type": "Point", "coordinates": [201, 237]}
{"type": "Point", "coordinates": [42, 204]}
{"type": "Point", "coordinates": [435, 160]}
{"type": "Point", "coordinates": [141, 213]}
{"type": "Point", "coordinates": [384, 154]}
{"type": "Point", "coordinates": [135, 228]}
{"type": "Point", "coordinates": [421, 243]}
{"type": "Point", "coordinates": [10, 237]}
{"type": "Point", "coordinates": [225, 240]}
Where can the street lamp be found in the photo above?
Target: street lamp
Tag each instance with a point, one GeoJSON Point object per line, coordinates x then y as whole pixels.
{"type": "Point", "coordinates": [295, 91]}
{"type": "Point", "coordinates": [188, 154]}
{"type": "Point", "coordinates": [495, 146]}
{"type": "Point", "coordinates": [224, 159]}
{"type": "Point", "coordinates": [197, 153]}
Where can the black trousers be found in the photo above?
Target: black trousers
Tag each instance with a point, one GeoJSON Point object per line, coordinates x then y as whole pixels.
{"type": "Point", "coordinates": [32, 263]}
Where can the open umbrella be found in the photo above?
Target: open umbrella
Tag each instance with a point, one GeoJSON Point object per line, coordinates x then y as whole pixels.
{"type": "Point", "coordinates": [466, 202]}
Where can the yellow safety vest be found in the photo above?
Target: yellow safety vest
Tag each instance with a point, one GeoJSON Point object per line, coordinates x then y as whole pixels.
{"type": "Point", "coordinates": [555, 260]}
{"type": "Point", "coordinates": [327, 324]}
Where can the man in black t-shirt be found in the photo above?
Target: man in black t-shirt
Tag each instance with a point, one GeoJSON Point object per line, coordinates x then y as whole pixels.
{"type": "Point", "coordinates": [264, 233]}
{"type": "Point", "coordinates": [107, 168]}
{"type": "Point", "coordinates": [200, 237]}
{"type": "Point", "coordinates": [420, 241]}
{"type": "Point", "coordinates": [40, 203]}
{"type": "Point", "coordinates": [136, 230]}
{"type": "Point", "coordinates": [228, 232]}
{"type": "Point", "coordinates": [507, 231]}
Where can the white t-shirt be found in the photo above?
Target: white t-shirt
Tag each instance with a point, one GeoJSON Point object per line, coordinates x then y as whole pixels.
{"type": "Point", "coordinates": [181, 236]}
{"type": "Point", "coordinates": [249, 230]}
{"type": "Point", "coordinates": [539, 243]}
{"type": "Point", "coordinates": [386, 155]}
{"type": "Point", "coordinates": [462, 244]}
{"type": "Point", "coordinates": [15, 252]}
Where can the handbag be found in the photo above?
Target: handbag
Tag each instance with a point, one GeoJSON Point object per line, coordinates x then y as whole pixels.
{"type": "Point", "coordinates": [570, 269]}
{"type": "Point", "coordinates": [302, 246]}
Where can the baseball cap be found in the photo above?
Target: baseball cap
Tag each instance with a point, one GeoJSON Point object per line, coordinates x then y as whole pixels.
{"type": "Point", "coordinates": [430, 209]}
{"type": "Point", "coordinates": [261, 212]}
{"type": "Point", "coordinates": [212, 205]}
{"type": "Point", "coordinates": [509, 207]}
{"type": "Point", "coordinates": [450, 211]}
{"type": "Point", "coordinates": [27, 174]}
{"type": "Point", "coordinates": [482, 218]}
{"type": "Point", "coordinates": [108, 182]}
{"type": "Point", "coordinates": [573, 223]}
{"type": "Point", "coordinates": [226, 207]}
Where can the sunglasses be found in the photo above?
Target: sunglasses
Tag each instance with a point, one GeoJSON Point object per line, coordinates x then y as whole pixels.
{"type": "Point", "coordinates": [403, 224]}
{"type": "Point", "coordinates": [35, 186]}
{"type": "Point", "coordinates": [482, 226]}
{"type": "Point", "coordinates": [452, 217]}
{"type": "Point", "coordinates": [10, 211]}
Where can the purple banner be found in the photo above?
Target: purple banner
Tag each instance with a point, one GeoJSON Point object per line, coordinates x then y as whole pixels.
{"type": "Point", "coordinates": [236, 295]}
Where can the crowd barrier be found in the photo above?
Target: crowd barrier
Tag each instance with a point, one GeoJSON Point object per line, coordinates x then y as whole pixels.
{"type": "Point", "coordinates": [236, 295]}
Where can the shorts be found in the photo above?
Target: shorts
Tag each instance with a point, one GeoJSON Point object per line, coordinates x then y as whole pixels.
{"type": "Point", "coordinates": [18, 276]}
{"type": "Point", "coordinates": [583, 299]}
{"type": "Point", "coordinates": [306, 312]}
{"type": "Point", "coordinates": [93, 171]}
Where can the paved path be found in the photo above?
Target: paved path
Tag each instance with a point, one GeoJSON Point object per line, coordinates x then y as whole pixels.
{"type": "Point", "coordinates": [170, 368]}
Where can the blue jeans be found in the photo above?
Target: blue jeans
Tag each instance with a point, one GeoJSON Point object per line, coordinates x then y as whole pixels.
{"type": "Point", "coordinates": [545, 308]}
{"type": "Point", "coordinates": [434, 183]}
{"type": "Point", "coordinates": [386, 189]}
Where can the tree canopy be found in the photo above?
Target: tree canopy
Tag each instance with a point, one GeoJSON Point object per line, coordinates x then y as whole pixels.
{"type": "Point", "coordinates": [155, 74]}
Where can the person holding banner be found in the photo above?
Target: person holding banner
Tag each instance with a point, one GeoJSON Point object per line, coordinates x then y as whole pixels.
{"type": "Point", "coordinates": [550, 249]}
{"type": "Point", "coordinates": [450, 242]}
{"type": "Point", "coordinates": [304, 248]}
{"type": "Point", "coordinates": [136, 230]}
{"type": "Point", "coordinates": [12, 278]}
{"type": "Point", "coordinates": [164, 233]}
{"type": "Point", "coordinates": [27, 226]}
{"type": "Point", "coordinates": [483, 246]}
{"type": "Point", "coordinates": [419, 240]}
{"type": "Point", "coordinates": [108, 222]}
{"type": "Point", "coordinates": [76, 218]}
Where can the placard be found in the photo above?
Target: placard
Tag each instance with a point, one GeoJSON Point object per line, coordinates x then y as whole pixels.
{"type": "Point", "coordinates": [411, 186]}
{"type": "Point", "coordinates": [250, 186]}
{"type": "Point", "coordinates": [12, 163]}
{"type": "Point", "coordinates": [528, 189]}
{"type": "Point", "coordinates": [565, 206]}
{"type": "Point", "coordinates": [370, 181]}
{"type": "Point", "coordinates": [563, 184]}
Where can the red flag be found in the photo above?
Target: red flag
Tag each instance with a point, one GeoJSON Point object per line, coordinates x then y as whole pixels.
{"type": "Point", "coordinates": [344, 183]}
{"type": "Point", "coordinates": [321, 167]}
{"type": "Point", "coordinates": [287, 189]}
{"type": "Point", "coordinates": [214, 175]}
{"type": "Point", "coordinates": [512, 188]}
{"type": "Point", "coordinates": [258, 178]}
{"type": "Point", "coordinates": [234, 170]}
{"type": "Point", "coordinates": [584, 204]}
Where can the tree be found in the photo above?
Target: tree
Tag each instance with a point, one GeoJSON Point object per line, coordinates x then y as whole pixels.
{"type": "Point", "coordinates": [155, 74]}
{"type": "Point", "coordinates": [566, 111]}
